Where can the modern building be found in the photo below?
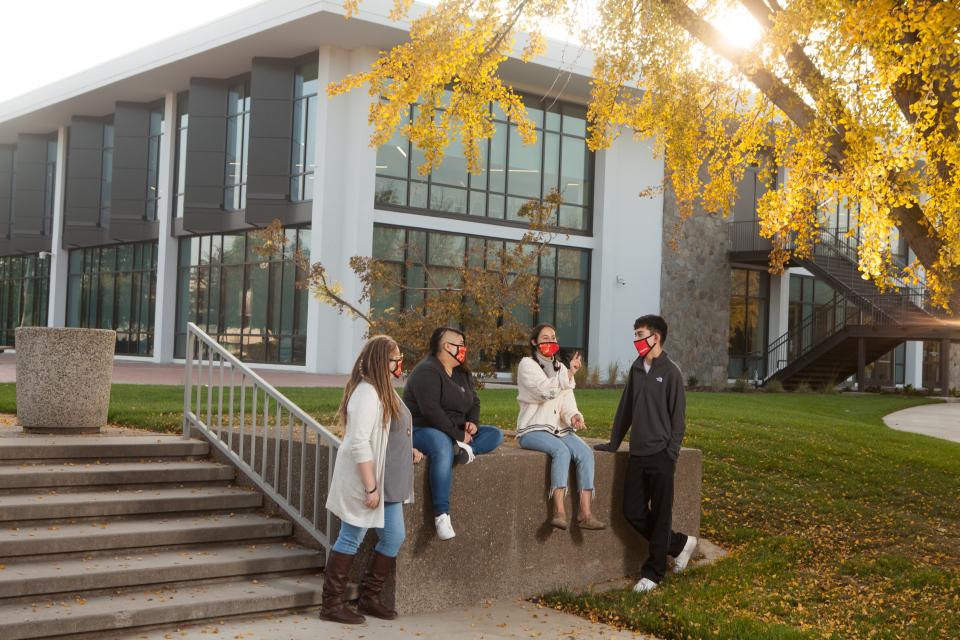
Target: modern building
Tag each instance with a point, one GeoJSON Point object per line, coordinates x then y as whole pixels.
{"type": "Point", "coordinates": [128, 194]}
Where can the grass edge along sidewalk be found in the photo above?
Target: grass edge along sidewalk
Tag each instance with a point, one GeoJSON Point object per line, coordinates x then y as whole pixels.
{"type": "Point", "coordinates": [839, 527]}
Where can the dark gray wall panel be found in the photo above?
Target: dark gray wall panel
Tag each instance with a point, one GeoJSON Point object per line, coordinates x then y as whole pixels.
{"type": "Point", "coordinates": [7, 152]}
{"type": "Point", "coordinates": [271, 128]}
{"type": "Point", "coordinates": [128, 195]}
{"type": "Point", "coordinates": [206, 142]}
{"type": "Point", "coordinates": [28, 185]}
{"type": "Point", "coordinates": [84, 152]}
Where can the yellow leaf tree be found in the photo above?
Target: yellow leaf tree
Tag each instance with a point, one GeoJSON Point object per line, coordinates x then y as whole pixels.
{"type": "Point", "coordinates": [854, 100]}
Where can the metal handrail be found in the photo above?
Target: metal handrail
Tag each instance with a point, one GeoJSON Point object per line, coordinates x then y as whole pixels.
{"type": "Point", "coordinates": [209, 366]}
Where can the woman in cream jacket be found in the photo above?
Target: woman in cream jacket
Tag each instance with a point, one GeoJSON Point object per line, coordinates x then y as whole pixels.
{"type": "Point", "coordinates": [372, 479]}
{"type": "Point", "coordinates": [548, 419]}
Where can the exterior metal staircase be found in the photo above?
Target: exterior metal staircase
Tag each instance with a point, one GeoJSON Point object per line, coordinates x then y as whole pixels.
{"type": "Point", "coordinates": [861, 324]}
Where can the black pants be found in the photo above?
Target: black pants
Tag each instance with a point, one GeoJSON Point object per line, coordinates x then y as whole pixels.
{"type": "Point", "coordinates": [648, 507]}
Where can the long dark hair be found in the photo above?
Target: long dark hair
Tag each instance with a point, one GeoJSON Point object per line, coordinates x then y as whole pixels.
{"type": "Point", "coordinates": [372, 366]}
{"type": "Point", "coordinates": [534, 335]}
{"type": "Point", "coordinates": [435, 345]}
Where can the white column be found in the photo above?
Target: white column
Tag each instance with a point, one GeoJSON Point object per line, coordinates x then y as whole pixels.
{"type": "Point", "coordinates": [778, 317]}
{"type": "Point", "coordinates": [913, 364]}
{"type": "Point", "coordinates": [59, 257]}
{"type": "Point", "coordinates": [626, 261]}
{"type": "Point", "coordinates": [166, 304]}
{"type": "Point", "coordinates": [343, 202]}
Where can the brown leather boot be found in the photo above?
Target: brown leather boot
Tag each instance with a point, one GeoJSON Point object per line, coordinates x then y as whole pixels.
{"type": "Point", "coordinates": [335, 575]}
{"type": "Point", "coordinates": [377, 573]}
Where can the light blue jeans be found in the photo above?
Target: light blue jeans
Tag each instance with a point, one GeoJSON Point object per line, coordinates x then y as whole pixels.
{"type": "Point", "coordinates": [391, 534]}
{"type": "Point", "coordinates": [561, 451]}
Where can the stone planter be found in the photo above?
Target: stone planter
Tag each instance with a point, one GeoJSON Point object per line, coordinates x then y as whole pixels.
{"type": "Point", "coordinates": [63, 379]}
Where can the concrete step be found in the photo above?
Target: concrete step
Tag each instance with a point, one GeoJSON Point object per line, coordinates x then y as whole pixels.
{"type": "Point", "coordinates": [107, 570]}
{"type": "Point", "coordinates": [33, 505]}
{"type": "Point", "coordinates": [101, 447]}
{"type": "Point", "coordinates": [158, 531]}
{"type": "Point", "coordinates": [111, 473]}
{"type": "Point", "coordinates": [46, 617]}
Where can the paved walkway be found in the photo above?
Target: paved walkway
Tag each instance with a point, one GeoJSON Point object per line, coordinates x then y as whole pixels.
{"type": "Point", "coordinates": [488, 620]}
{"type": "Point", "coordinates": [941, 420]}
{"type": "Point", "coordinates": [127, 372]}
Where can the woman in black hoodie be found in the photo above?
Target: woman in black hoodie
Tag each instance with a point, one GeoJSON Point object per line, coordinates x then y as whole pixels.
{"type": "Point", "coordinates": [445, 409]}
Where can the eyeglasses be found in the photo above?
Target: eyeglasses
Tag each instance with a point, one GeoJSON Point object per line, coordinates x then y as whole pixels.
{"type": "Point", "coordinates": [455, 344]}
{"type": "Point", "coordinates": [400, 359]}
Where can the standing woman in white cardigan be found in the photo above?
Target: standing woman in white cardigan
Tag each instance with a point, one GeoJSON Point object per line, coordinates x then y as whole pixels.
{"type": "Point", "coordinates": [548, 419]}
{"type": "Point", "coordinates": [372, 479]}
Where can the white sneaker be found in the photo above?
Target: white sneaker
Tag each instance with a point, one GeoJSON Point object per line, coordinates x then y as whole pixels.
{"type": "Point", "coordinates": [682, 560]}
{"type": "Point", "coordinates": [444, 528]}
{"type": "Point", "coordinates": [645, 584]}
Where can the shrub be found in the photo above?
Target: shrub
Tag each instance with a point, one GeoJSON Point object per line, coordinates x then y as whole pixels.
{"type": "Point", "coordinates": [613, 373]}
{"type": "Point", "coordinates": [581, 375]}
{"type": "Point", "coordinates": [692, 381]}
{"type": "Point", "coordinates": [774, 386]}
{"type": "Point", "coordinates": [593, 378]}
{"type": "Point", "coordinates": [828, 387]}
{"type": "Point", "coordinates": [803, 387]}
{"type": "Point", "coordinates": [739, 385]}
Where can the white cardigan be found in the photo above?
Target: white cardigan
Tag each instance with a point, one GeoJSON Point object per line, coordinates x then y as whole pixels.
{"type": "Point", "coordinates": [546, 402]}
{"type": "Point", "coordinates": [364, 440]}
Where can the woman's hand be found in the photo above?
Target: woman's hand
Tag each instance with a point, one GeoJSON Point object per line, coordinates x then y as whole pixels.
{"type": "Point", "coordinates": [577, 422]}
{"type": "Point", "coordinates": [371, 500]}
{"type": "Point", "coordinates": [575, 363]}
{"type": "Point", "coordinates": [417, 456]}
{"type": "Point", "coordinates": [470, 428]}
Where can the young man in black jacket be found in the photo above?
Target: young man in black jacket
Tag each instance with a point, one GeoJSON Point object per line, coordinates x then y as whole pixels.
{"type": "Point", "coordinates": [652, 408]}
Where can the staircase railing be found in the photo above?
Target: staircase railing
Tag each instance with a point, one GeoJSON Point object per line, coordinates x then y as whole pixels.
{"type": "Point", "coordinates": [825, 322]}
{"type": "Point", "coordinates": [283, 451]}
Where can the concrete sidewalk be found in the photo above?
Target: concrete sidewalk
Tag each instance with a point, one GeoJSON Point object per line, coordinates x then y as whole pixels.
{"type": "Point", "coordinates": [129, 372]}
{"type": "Point", "coordinates": [487, 620]}
{"type": "Point", "coordinates": [941, 420]}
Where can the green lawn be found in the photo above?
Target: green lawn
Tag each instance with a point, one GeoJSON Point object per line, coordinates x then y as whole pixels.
{"type": "Point", "coordinates": [838, 526]}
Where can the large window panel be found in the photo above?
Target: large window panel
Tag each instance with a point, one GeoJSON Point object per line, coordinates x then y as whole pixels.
{"type": "Point", "coordinates": [238, 140]}
{"type": "Point", "coordinates": [563, 275]}
{"type": "Point", "coordinates": [304, 132]}
{"type": "Point", "coordinates": [512, 173]}
{"type": "Point", "coordinates": [747, 336]}
{"type": "Point", "coordinates": [115, 288]}
{"type": "Point", "coordinates": [252, 305]}
{"type": "Point", "coordinates": [24, 290]}
{"type": "Point", "coordinates": [180, 167]}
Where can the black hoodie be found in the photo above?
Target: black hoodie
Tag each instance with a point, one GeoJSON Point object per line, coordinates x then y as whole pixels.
{"type": "Point", "coordinates": [652, 407]}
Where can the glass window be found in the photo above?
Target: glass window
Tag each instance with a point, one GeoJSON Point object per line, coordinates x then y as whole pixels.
{"type": "Point", "coordinates": [238, 141]}
{"type": "Point", "coordinates": [115, 288]}
{"type": "Point", "coordinates": [24, 290]}
{"type": "Point", "coordinates": [304, 132]}
{"type": "Point", "coordinates": [254, 306]}
{"type": "Point", "coordinates": [512, 173]}
{"type": "Point", "coordinates": [153, 164]}
{"type": "Point", "coordinates": [563, 275]}
{"type": "Point", "coordinates": [106, 174]}
{"type": "Point", "coordinates": [49, 179]}
{"type": "Point", "coordinates": [747, 336]}
{"type": "Point", "coordinates": [180, 166]}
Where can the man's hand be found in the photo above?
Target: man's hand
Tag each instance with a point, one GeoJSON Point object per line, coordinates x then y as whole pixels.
{"type": "Point", "coordinates": [604, 446]}
{"type": "Point", "coordinates": [470, 428]}
{"type": "Point", "coordinates": [577, 422]}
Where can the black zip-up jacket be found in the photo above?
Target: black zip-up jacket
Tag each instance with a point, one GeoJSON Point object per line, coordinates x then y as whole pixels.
{"type": "Point", "coordinates": [440, 401]}
{"type": "Point", "coordinates": [652, 408]}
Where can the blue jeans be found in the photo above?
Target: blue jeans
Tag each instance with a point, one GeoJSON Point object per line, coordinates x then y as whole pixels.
{"type": "Point", "coordinates": [438, 446]}
{"type": "Point", "coordinates": [391, 534]}
{"type": "Point", "coordinates": [561, 451]}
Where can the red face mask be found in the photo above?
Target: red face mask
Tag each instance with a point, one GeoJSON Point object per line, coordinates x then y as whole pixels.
{"type": "Point", "coordinates": [548, 349]}
{"type": "Point", "coordinates": [397, 369]}
{"type": "Point", "coordinates": [643, 346]}
{"type": "Point", "coordinates": [460, 355]}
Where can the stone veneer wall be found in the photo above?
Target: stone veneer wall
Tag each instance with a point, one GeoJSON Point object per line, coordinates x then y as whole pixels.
{"type": "Point", "coordinates": [695, 293]}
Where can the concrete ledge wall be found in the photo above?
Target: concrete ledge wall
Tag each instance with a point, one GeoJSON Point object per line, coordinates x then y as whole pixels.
{"type": "Point", "coordinates": [505, 546]}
